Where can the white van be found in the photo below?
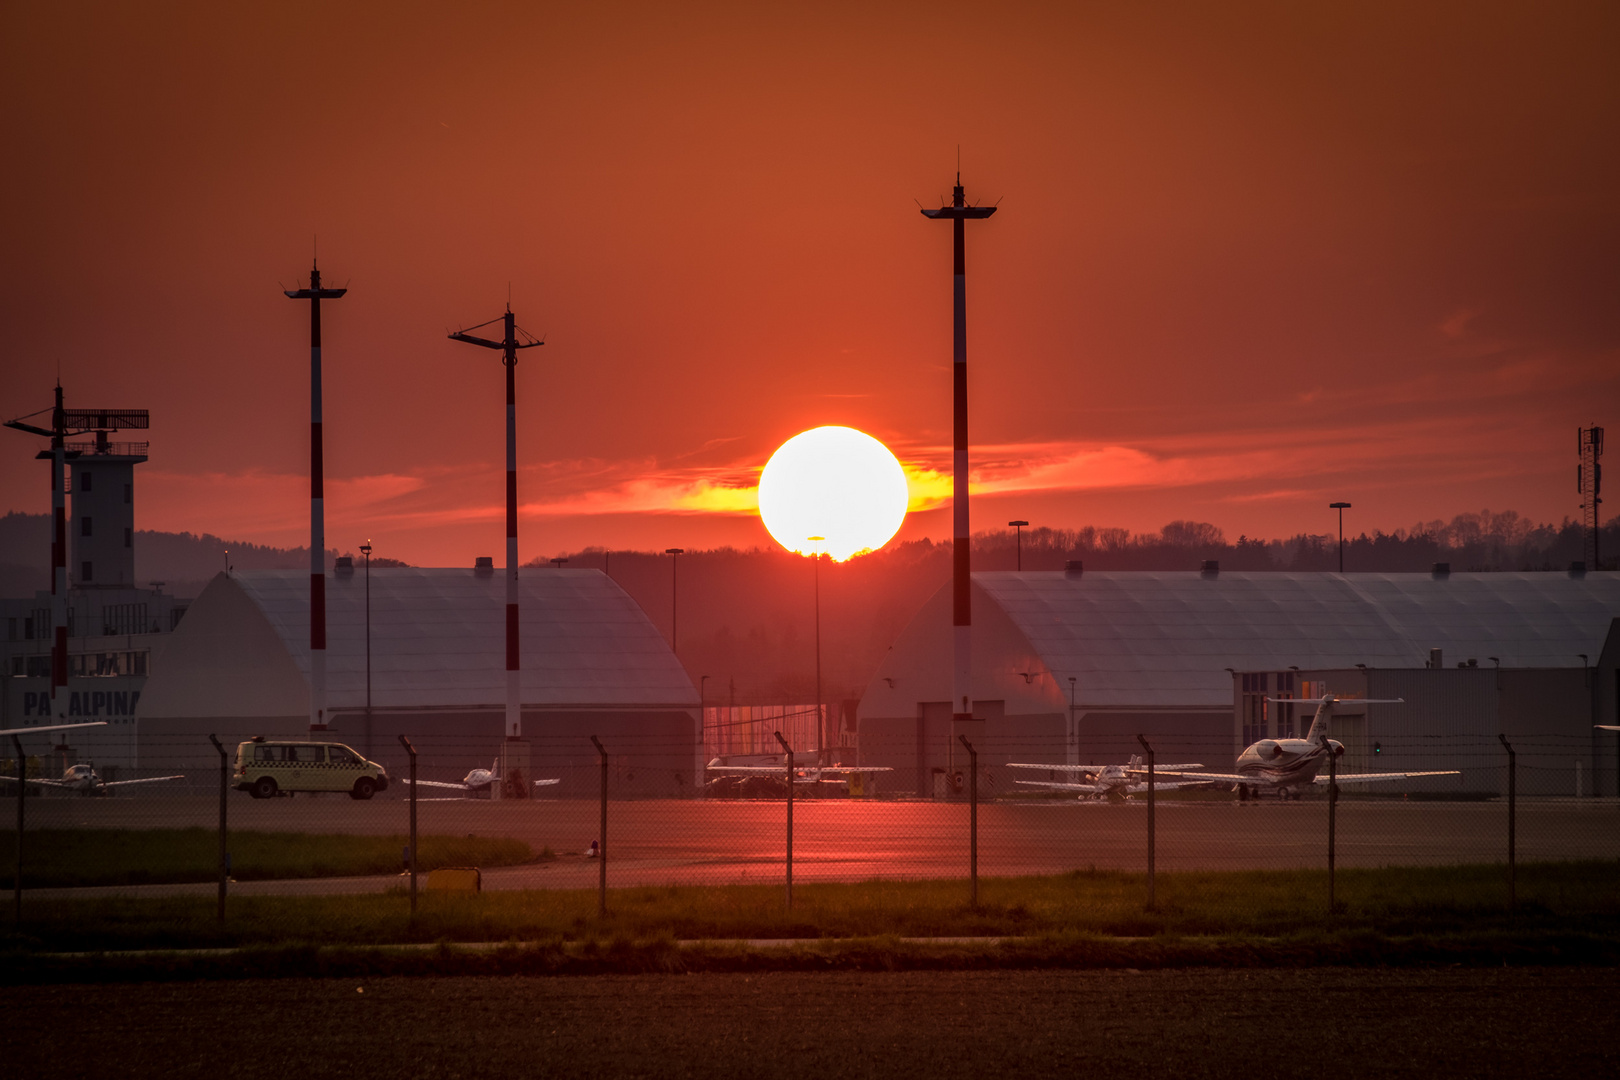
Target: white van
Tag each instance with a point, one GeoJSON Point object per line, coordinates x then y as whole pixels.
{"type": "Point", "coordinates": [266, 769]}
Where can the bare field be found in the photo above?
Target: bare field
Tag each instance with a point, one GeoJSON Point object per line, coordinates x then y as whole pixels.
{"type": "Point", "coordinates": [1200, 1023]}
{"type": "Point", "coordinates": [712, 842]}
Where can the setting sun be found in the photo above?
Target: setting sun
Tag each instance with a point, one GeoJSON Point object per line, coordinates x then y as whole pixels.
{"type": "Point", "coordinates": [832, 482]}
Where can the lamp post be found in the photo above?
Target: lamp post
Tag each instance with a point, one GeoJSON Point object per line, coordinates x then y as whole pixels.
{"type": "Point", "coordinates": [674, 599]}
{"type": "Point", "coordinates": [1341, 507]}
{"type": "Point", "coordinates": [555, 563]}
{"type": "Point", "coordinates": [365, 549]}
{"type": "Point", "coordinates": [703, 711]}
{"type": "Point", "coordinates": [1018, 528]}
{"type": "Point", "coordinates": [1074, 728]}
{"type": "Point", "coordinates": [815, 557]}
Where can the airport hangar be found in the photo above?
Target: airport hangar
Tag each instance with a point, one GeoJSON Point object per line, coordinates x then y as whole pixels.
{"type": "Point", "coordinates": [1070, 666]}
{"type": "Point", "coordinates": [592, 664]}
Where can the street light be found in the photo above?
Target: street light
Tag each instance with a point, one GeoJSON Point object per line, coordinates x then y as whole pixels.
{"type": "Point", "coordinates": [674, 599]}
{"type": "Point", "coordinates": [365, 549]}
{"type": "Point", "coordinates": [815, 558]}
{"type": "Point", "coordinates": [557, 562]}
{"type": "Point", "coordinates": [1019, 527]}
{"type": "Point", "coordinates": [703, 698]}
{"type": "Point", "coordinates": [1341, 507]}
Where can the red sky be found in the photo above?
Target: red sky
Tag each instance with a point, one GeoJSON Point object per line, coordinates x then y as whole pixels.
{"type": "Point", "coordinates": [1250, 259]}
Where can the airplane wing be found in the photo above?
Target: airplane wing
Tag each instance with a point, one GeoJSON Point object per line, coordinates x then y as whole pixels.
{"type": "Point", "coordinates": [1141, 770]}
{"type": "Point", "coordinates": [142, 780]}
{"type": "Point", "coordinates": [32, 780]}
{"type": "Point", "coordinates": [751, 770]}
{"type": "Point", "coordinates": [1137, 789]}
{"type": "Point", "coordinates": [1057, 785]}
{"type": "Point", "coordinates": [1210, 777]}
{"type": "Point", "coordinates": [49, 727]}
{"type": "Point", "coordinates": [547, 783]}
{"type": "Point", "coordinates": [1370, 777]}
{"type": "Point", "coordinates": [436, 783]}
{"type": "Point", "coordinates": [1055, 768]}
{"type": "Point", "coordinates": [1601, 727]}
{"type": "Point", "coordinates": [855, 769]}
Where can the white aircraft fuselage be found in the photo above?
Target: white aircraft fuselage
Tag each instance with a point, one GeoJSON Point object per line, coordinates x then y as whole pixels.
{"type": "Point", "coordinates": [1286, 763]}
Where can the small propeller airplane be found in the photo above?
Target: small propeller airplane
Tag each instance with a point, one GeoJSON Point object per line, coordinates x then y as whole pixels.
{"type": "Point", "coordinates": [479, 780]}
{"type": "Point", "coordinates": [1112, 782]}
{"type": "Point", "coordinates": [769, 779]}
{"type": "Point", "coordinates": [1288, 765]}
{"type": "Point", "coordinates": [81, 778]}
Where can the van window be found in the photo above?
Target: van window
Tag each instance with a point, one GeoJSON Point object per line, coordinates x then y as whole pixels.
{"type": "Point", "coordinates": [306, 754]}
{"type": "Point", "coordinates": [342, 755]}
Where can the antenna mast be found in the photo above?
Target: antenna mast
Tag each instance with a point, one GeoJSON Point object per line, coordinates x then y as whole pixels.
{"type": "Point", "coordinates": [317, 502]}
{"type": "Point", "coordinates": [509, 345]}
{"type": "Point", "coordinates": [958, 213]}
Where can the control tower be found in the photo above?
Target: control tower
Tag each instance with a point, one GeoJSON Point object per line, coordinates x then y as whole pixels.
{"type": "Point", "coordinates": [102, 527]}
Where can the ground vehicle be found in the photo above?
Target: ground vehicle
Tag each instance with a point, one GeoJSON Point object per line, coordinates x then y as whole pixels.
{"type": "Point", "coordinates": [266, 769]}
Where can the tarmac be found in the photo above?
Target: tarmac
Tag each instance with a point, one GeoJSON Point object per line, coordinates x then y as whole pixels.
{"type": "Point", "coordinates": [667, 842]}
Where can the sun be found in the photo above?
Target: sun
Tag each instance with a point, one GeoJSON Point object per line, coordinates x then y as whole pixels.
{"type": "Point", "coordinates": [833, 491]}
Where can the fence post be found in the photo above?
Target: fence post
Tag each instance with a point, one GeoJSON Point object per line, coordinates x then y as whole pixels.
{"type": "Point", "coordinates": [1513, 768]}
{"type": "Point", "coordinates": [22, 788]}
{"type": "Point", "coordinates": [601, 845]}
{"type": "Point", "coordinates": [973, 818]}
{"type": "Point", "coordinates": [1333, 807]}
{"type": "Point", "coordinates": [411, 750]}
{"type": "Point", "coordinates": [1152, 808]}
{"type": "Point", "coordinates": [224, 776]}
{"type": "Point", "coordinates": [789, 750]}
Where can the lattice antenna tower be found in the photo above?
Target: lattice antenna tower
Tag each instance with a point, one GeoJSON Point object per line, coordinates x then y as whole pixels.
{"type": "Point", "coordinates": [1589, 482]}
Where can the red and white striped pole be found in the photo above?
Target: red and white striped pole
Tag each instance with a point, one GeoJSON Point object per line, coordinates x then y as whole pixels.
{"type": "Point", "coordinates": [509, 346]}
{"type": "Point", "coordinates": [317, 504]}
{"type": "Point", "coordinates": [958, 213]}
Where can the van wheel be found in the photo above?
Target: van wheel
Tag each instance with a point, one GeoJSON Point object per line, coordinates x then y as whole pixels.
{"type": "Point", "coordinates": [263, 788]}
{"type": "Point", "coordinates": [364, 788]}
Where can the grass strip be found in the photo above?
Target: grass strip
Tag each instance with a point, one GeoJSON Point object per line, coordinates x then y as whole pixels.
{"type": "Point", "coordinates": [73, 858]}
{"type": "Point", "coordinates": [1578, 898]}
{"type": "Point", "coordinates": [663, 955]}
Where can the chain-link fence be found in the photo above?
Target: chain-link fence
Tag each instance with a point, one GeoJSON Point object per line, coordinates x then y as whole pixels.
{"type": "Point", "coordinates": [307, 817]}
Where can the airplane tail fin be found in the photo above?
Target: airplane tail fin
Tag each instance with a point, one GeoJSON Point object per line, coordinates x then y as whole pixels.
{"type": "Point", "coordinates": [1319, 726]}
{"type": "Point", "coordinates": [1135, 762]}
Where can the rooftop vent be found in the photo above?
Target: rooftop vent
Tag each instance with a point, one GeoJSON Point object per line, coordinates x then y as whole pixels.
{"type": "Point", "coordinates": [345, 564]}
{"type": "Point", "coordinates": [484, 564]}
{"type": "Point", "coordinates": [1210, 568]}
{"type": "Point", "coordinates": [1074, 568]}
{"type": "Point", "coordinates": [1442, 569]}
{"type": "Point", "coordinates": [1437, 658]}
{"type": "Point", "coordinates": [1577, 569]}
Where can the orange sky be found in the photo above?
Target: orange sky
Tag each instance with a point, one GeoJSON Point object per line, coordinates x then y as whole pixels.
{"type": "Point", "coordinates": [1249, 259]}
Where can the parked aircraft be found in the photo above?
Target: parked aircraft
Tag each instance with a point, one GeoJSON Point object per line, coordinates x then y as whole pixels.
{"type": "Point", "coordinates": [81, 778]}
{"type": "Point", "coordinates": [1288, 765]}
{"type": "Point", "coordinates": [1113, 782]}
{"type": "Point", "coordinates": [479, 780]}
{"type": "Point", "coordinates": [769, 780]}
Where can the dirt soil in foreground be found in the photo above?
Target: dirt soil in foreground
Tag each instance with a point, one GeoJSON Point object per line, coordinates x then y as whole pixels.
{"type": "Point", "coordinates": [1322, 1022]}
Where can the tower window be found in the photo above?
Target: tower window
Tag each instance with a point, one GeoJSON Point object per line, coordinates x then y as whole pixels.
{"type": "Point", "coordinates": [86, 572]}
{"type": "Point", "coordinates": [84, 526]}
{"type": "Point", "coordinates": [84, 480]}
{"type": "Point", "coordinates": [129, 536]}
{"type": "Point", "coordinates": [129, 494]}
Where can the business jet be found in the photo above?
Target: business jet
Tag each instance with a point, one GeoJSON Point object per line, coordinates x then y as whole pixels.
{"type": "Point", "coordinates": [1115, 783]}
{"type": "Point", "coordinates": [479, 780]}
{"type": "Point", "coordinates": [1288, 765]}
{"type": "Point", "coordinates": [81, 778]}
{"type": "Point", "coordinates": [770, 780]}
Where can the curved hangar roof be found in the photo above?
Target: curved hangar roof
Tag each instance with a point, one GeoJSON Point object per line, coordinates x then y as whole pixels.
{"type": "Point", "coordinates": [437, 640]}
{"type": "Point", "coordinates": [1165, 639]}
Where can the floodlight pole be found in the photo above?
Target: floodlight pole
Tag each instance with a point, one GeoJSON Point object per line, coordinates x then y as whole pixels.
{"type": "Point", "coordinates": [1152, 806]}
{"type": "Point", "coordinates": [1341, 507]}
{"type": "Point", "coordinates": [1018, 539]}
{"type": "Point", "coordinates": [1333, 806]}
{"type": "Point", "coordinates": [958, 213]}
{"type": "Point", "coordinates": [22, 787]}
{"type": "Point", "coordinates": [973, 819]}
{"type": "Point", "coordinates": [815, 557]}
{"type": "Point", "coordinates": [1513, 798]}
{"type": "Point", "coordinates": [601, 845]}
{"type": "Point", "coordinates": [509, 346]}
{"type": "Point", "coordinates": [317, 502]}
{"type": "Point", "coordinates": [674, 599]}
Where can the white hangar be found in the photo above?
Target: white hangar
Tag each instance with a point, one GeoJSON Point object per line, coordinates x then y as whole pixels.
{"type": "Point", "coordinates": [1071, 666]}
{"type": "Point", "coordinates": [592, 664]}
